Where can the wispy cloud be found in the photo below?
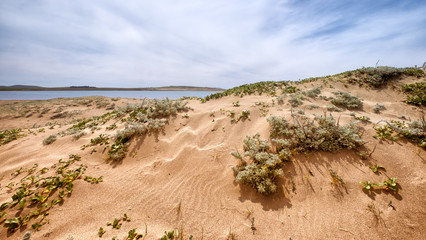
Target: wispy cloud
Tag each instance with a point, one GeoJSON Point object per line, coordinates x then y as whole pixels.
{"type": "Point", "coordinates": [212, 43]}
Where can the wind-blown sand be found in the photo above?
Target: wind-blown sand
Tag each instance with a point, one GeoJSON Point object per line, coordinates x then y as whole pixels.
{"type": "Point", "coordinates": [182, 178]}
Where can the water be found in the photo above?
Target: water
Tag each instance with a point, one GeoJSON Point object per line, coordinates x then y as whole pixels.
{"type": "Point", "coordinates": [42, 95]}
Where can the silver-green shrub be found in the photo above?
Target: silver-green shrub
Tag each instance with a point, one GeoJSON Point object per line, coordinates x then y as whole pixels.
{"type": "Point", "coordinates": [313, 93]}
{"type": "Point", "coordinates": [346, 100]}
{"type": "Point", "coordinates": [295, 100]}
{"type": "Point", "coordinates": [264, 167]}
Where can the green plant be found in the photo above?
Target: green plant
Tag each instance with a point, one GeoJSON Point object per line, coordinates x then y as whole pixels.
{"type": "Point", "coordinates": [115, 224]}
{"type": "Point", "coordinates": [362, 118]}
{"type": "Point", "coordinates": [336, 178]}
{"type": "Point", "coordinates": [253, 228]}
{"type": "Point", "coordinates": [416, 93]}
{"type": "Point", "coordinates": [93, 179]}
{"type": "Point", "coordinates": [376, 168]}
{"type": "Point", "coordinates": [112, 127]}
{"type": "Point", "coordinates": [101, 232]}
{"type": "Point", "coordinates": [40, 193]}
{"type": "Point", "coordinates": [389, 185]}
{"type": "Point", "coordinates": [9, 135]}
{"type": "Point", "coordinates": [367, 185]}
{"type": "Point", "coordinates": [385, 132]}
{"type": "Point", "coordinates": [236, 104]}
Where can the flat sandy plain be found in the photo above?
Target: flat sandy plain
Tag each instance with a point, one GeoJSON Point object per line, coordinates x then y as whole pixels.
{"type": "Point", "coordinates": [181, 178]}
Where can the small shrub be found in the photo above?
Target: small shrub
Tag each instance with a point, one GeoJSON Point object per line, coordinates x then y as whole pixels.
{"type": "Point", "coordinates": [280, 99]}
{"type": "Point", "coordinates": [313, 93]}
{"type": "Point", "coordinates": [333, 108]}
{"type": "Point", "coordinates": [78, 134]}
{"type": "Point", "coordinates": [295, 100]}
{"type": "Point", "coordinates": [321, 134]}
{"type": "Point", "coordinates": [378, 107]}
{"type": "Point", "coordinates": [264, 168]}
{"type": "Point", "coordinates": [49, 140]}
{"type": "Point", "coordinates": [312, 106]}
{"type": "Point", "coordinates": [346, 100]}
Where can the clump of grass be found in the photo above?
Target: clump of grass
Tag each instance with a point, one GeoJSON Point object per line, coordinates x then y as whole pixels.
{"type": "Point", "coordinates": [346, 100]}
{"type": "Point", "coordinates": [378, 108]}
{"type": "Point", "coordinates": [50, 139]}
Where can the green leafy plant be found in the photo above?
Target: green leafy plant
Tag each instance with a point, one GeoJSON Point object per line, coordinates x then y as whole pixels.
{"type": "Point", "coordinates": [376, 168]}
{"type": "Point", "coordinates": [115, 224]}
{"type": "Point", "coordinates": [389, 185]}
{"type": "Point", "coordinates": [236, 104]}
{"type": "Point", "coordinates": [101, 232]}
{"type": "Point", "coordinates": [9, 135]}
{"type": "Point", "coordinates": [416, 93]}
{"type": "Point", "coordinates": [39, 192]}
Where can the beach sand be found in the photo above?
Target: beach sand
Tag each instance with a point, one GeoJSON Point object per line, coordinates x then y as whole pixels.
{"type": "Point", "coordinates": [182, 178]}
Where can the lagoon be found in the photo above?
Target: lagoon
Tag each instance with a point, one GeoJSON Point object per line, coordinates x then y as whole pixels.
{"type": "Point", "coordinates": [43, 95]}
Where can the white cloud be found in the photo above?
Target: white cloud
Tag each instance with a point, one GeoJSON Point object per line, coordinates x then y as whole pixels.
{"type": "Point", "coordinates": [212, 43]}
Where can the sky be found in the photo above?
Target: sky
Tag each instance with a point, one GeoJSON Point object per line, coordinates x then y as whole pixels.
{"type": "Point", "coordinates": [220, 43]}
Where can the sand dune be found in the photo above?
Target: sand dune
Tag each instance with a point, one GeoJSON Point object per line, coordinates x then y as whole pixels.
{"type": "Point", "coordinates": [181, 178]}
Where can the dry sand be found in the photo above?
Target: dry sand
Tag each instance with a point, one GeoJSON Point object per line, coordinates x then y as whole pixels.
{"type": "Point", "coordinates": [183, 178]}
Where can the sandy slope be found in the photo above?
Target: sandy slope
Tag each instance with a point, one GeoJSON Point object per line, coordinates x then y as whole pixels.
{"type": "Point", "coordinates": [183, 178]}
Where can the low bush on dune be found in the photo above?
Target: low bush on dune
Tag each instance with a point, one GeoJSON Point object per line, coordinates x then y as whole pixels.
{"type": "Point", "coordinates": [380, 76]}
{"type": "Point", "coordinates": [265, 160]}
{"type": "Point", "coordinates": [50, 139]}
{"type": "Point", "coordinates": [151, 116]}
{"type": "Point", "coordinates": [345, 99]}
{"type": "Point", "coordinates": [269, 88]}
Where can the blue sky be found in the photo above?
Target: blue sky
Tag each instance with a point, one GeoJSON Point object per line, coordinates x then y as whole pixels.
{"type": "Point", "coordinates": [221, 43]}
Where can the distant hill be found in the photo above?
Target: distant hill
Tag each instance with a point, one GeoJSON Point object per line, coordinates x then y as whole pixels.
{"type": "Point", "coordinates": [90, 88]}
